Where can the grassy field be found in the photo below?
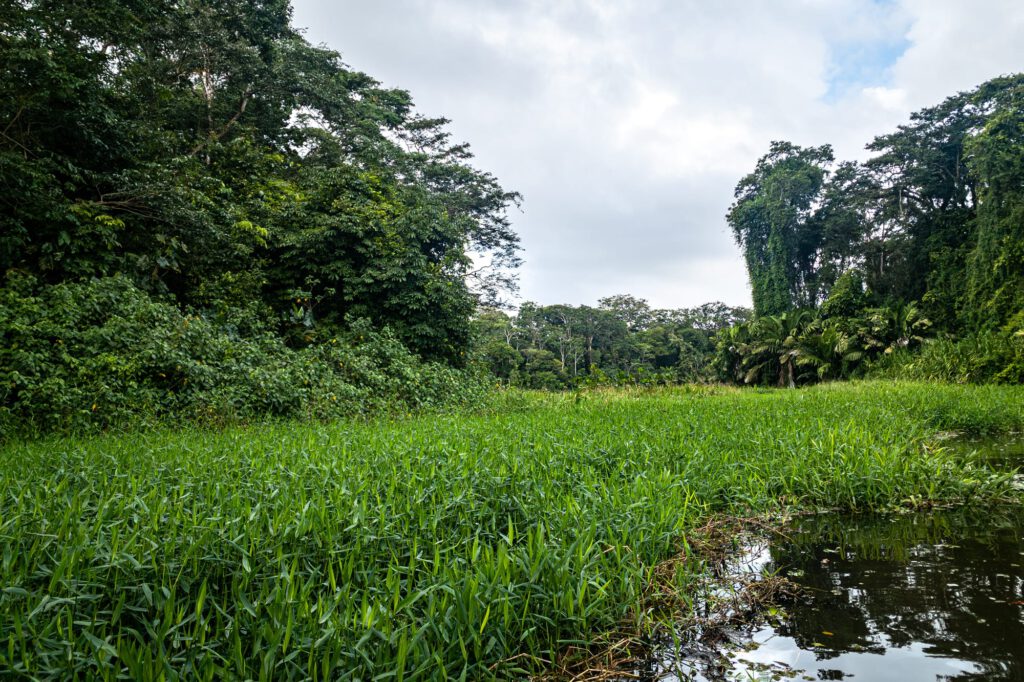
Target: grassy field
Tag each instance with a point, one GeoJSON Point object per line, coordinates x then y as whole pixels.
{"type": "Point", "coordinates": [440, 546]}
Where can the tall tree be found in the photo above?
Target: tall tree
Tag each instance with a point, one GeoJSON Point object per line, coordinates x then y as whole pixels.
{"type": "Point", "coordinates": [924, 211]}
{"type": "Point", "coordinates": [996, 264]}
{"type": "Point", "coordinates": [634, 312]}
{"type": "Point", "coordinates": [206, 150]}
{"type": "Point", "coordinates": [771, 222]}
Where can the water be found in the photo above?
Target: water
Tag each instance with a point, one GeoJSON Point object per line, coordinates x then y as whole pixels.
{"type": "Point", "coordinates": [1004, 452]}
{"type": "Point", "coordinates": [923, 596]}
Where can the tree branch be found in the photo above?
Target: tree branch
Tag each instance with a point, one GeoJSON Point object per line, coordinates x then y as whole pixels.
{"type": "Point", "coordinates": [215, 136]}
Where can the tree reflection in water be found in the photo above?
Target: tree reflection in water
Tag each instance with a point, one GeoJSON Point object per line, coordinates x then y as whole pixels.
{"type": "Point", "coordinates": [944, 589]}
{"type": "Point", "coordinates": [923, 596]}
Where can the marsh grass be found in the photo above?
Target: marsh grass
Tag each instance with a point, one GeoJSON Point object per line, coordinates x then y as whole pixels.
{"type": "Point", "coordinates": [471, 546]}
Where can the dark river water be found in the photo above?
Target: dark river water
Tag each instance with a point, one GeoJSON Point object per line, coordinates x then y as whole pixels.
{"type": "Point", "coordinates": [921, 596]}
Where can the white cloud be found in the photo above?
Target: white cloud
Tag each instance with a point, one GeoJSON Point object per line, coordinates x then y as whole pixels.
{"type": "Point", "coordinates": [956, 45]}
{"type": "Point", "coordinates": [626, 125]}
{"type": "Point", "coordinates": [893, 99]}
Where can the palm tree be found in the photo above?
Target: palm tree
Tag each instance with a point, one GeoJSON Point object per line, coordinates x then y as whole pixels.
{"type": "Point", "coordinates": [884, 330]}
{"type": "Point", "coordinates": [731, 348]}
{"type": "Point", "coordinates": [826, 350]}
{"type": "Point", "coordinates": [774, 347]}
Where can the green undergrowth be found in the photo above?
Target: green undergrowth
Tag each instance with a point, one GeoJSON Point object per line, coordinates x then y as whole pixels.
{"type": "Point", "coordinates": [469, 546]}
{"type": "Point", "coordinates": [980, 358]}
{"type": "Point", "coordinates": [85, 357]}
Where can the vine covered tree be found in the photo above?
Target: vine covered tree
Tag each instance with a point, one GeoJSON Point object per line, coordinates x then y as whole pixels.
{"type": "Point", "coordinates": [996, 264]}
{"type": "Point", "coordinates": [923, 238]}
{"type": "Point", "coordinates": [772, 222]}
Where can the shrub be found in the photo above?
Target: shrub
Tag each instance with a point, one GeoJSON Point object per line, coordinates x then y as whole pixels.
{"type": "Point", "coordinates": [102, 353]}
{"type": "Point", "coordinates": [979, 358]}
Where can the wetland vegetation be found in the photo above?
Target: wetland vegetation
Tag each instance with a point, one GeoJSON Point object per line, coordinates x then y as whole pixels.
{"type": "Point", "coordinates": [457, 546]}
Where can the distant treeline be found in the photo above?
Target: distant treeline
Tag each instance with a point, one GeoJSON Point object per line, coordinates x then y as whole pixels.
{"type": "Point", "coordinates": [622, 340]}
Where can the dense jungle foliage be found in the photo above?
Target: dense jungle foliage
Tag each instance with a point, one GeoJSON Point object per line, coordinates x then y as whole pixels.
{"type": "Point", "coordinates": [922, 246]}
{"type": "Point", "coordinates": [203, 212]}
{"type": "Point", "coordinates": [206, 217]}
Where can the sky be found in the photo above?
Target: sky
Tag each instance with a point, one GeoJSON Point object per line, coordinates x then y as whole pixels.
{"type": "Point", "coordinates": [626, 125]}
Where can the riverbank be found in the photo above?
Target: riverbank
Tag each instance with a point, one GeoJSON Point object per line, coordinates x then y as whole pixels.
{"type": "Point", "coordinates": [473, 545]}
{"type": "Point", "coordinates": [897, 597]}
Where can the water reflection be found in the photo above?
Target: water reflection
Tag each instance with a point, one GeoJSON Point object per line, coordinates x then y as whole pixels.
{"type": "Point", "coordinates": [935, 596]}
{"type": "Point", "coordinates": [924, 596]}
{"type": "Point", "coordinates": [1002, 451]}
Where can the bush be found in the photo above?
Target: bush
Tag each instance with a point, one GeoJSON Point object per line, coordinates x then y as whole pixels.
{"type": "Point", "coordinates": [103, 353]}
{"type": "Point", "coordinates": [976, 359]}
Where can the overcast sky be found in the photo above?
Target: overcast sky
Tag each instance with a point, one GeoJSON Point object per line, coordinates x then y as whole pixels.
{"type": "Point", "coordinates": [625, 125]}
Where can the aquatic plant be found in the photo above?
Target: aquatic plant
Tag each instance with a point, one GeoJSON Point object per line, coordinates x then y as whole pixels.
{"type": "Point", "coordinates": [478, 545]}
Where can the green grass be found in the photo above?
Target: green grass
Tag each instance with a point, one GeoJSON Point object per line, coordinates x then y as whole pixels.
{"type": "Point", "coordinates": [461, 546]}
